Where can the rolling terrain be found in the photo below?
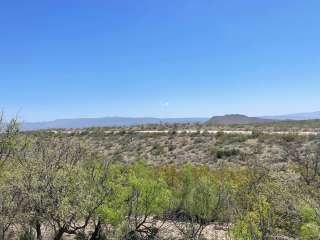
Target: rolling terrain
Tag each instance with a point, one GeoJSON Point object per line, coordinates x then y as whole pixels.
{"type": "Point", "coordinates": [229, 119]}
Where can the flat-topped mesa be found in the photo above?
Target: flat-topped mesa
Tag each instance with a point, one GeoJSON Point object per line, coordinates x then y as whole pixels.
{"type": "Point", "coordinates": [237, 119]}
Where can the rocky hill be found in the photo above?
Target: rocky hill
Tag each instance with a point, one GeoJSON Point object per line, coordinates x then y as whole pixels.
{"type": "Point", "coordinates": [237, 119]}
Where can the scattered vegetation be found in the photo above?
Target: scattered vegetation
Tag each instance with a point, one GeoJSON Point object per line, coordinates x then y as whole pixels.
{"type": "Point", "coordinates": [126, 185]}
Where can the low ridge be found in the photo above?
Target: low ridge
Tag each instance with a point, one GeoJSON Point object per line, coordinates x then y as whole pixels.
{"type": "Point", "coordinates": [237, 119]}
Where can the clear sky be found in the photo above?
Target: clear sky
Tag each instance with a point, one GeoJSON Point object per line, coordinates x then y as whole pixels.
{"type": "Point", "coordinates": [161, 58]}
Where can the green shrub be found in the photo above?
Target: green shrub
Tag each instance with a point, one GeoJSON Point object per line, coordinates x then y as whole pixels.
{"type": "Point", "coordinates": [310, 231]}
{"type": "Point", "coordinates": [227, 153]}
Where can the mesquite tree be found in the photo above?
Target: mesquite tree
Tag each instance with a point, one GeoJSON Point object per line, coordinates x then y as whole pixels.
{"type": "Point", "coordinates": [57, 181]}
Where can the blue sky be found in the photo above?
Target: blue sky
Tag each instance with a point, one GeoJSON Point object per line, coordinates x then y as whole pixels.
{"type": "Point", "coordinates": [168, 58]}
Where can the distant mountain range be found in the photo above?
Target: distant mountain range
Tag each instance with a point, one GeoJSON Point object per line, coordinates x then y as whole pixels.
{"type": "Point", "coordinates": [296, 116]}
{"type": "Point", "coordinates": [125, 121]}
{"type": "Point", "coordinates": [104, 122]}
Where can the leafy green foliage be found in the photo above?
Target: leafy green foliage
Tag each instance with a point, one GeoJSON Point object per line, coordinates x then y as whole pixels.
{"type": "Point", "coordinates": [137, 194]}
{"type": "Point", "coordinates": [310, 229]}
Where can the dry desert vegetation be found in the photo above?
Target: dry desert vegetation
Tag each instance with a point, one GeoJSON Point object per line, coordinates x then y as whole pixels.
{"type": "Point", "coordinates": [123, 183]}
